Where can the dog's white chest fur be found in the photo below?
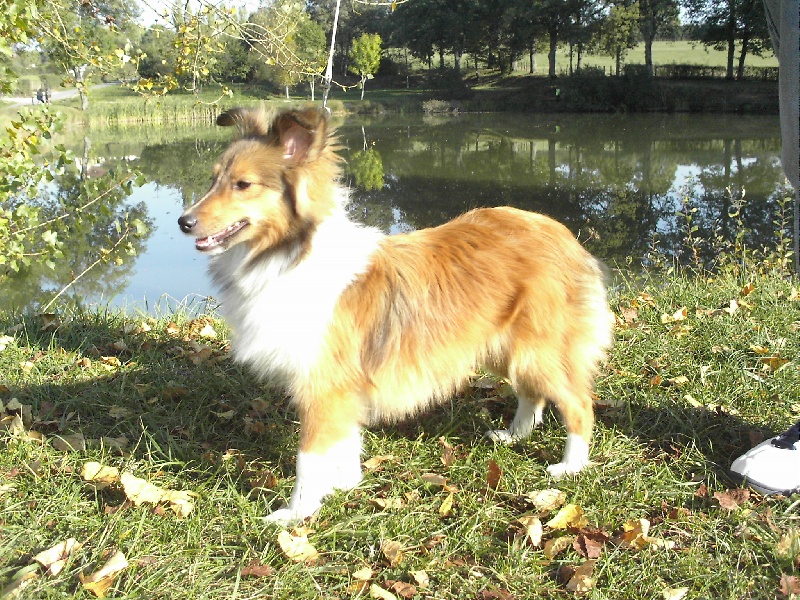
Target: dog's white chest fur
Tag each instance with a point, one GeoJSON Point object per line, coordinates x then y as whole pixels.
{"type": "Point", "coordinates": [280, 313]}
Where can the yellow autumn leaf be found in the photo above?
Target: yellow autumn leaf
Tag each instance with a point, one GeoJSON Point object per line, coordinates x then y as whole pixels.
{"type": "Point", "coordinates": [582, 580]}
{"type": "Point", "coordinates": [55, 558]}
{"type": "Point", "coordinates": [570, 515]}
{"type": "Point", "coordinates": [547, 500]}
{"type": "Point", "coordinates": [678, 315]}
{"type": "Point", "coordinates": [446, 507]}
{"type": "Point", "coordinates": [393, 551]}
{"type": "Point", "coordinates": [533, 529]}
{"type": "Point", "coordinates": [98, 475]}
{"type": "Point", "coordinates": [556, 546]}
{"type": "Point", "coordinates": [297, 548]}
{"type": "Point", "coordinates": [674, 593]}
{"type": "Point", "coordinates": [100, 581]}
{"type": "Point", "coordinates": [140, 491]}
{"type": "Point", "coordinates": [375, 591]}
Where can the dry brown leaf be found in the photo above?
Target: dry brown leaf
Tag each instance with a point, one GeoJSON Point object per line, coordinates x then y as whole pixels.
{"type": "Point", "coordinates": [569, 516]}
{"type": "Point", "coordinates": [582, 580]}
{"type": "Point", "coordinates": [173, 329]}
{"type": "Point", "coordinates": [732, 499]}
{"type": "Point", "coordinates": [788, 546]}
{"type": "Point", "coordinates": [393, 503]}
{"type": "Point", "coordinates": [100, 581]}
{"type": "Point", "coordinates": [493, 475]}
{"type": "Point", "coordinates": [55, 558]}
{"type": "Point", "coordinates": [448, 452]}
{"type": "Point", "coordinates": [790, 585]}
{"type": "Point", "coordinates": [393, 551]}
{"type": "Point", "coordinates": [589, 544]}
{"type": "Point", "coordinates": [554, 547]}
{"type": "Point", "coordinates": [635, 535]}
{"type": "Point", "coordinates": [297, 548]}
{"type": "Point", "coordinates": [404, 589]}
{"type": "Point", "coordinates": [434, 479]}
{"type": "Point", "coordinates": [70, 443]}
{"type": "Point", "coordinates": [257, 569]}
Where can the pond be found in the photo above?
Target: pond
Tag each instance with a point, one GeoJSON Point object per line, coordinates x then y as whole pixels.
{"type": "Point", "coordinates": [618, 182]}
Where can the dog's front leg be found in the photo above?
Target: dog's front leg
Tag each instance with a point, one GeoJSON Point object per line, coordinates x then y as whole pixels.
{"type": "Point", "coordinates": [329, 459]}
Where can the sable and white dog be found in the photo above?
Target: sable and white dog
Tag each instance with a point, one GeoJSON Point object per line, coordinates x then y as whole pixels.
{"type": "Point", "coordinates": [361, 327]}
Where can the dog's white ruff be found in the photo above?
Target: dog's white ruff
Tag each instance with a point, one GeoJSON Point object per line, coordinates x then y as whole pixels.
{"type": "Point", "coordinates": [318, 475]}
{"type": "Point", "coordinates": [280, 312]}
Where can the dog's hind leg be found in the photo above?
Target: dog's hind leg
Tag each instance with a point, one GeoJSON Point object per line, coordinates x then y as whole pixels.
{"type": "Point", "coordinates": [527, 418]}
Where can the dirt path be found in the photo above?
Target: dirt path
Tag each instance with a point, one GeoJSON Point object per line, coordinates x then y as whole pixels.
{"type": "Point", "coordinates": [54, 95]}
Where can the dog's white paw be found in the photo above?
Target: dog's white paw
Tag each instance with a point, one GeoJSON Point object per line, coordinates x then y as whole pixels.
{"type": "Point", "coordinates": [501, 436]}
{"type": "Point", "coordinates": [283, 516]}
{"type": "Point", "coordinates": [562, 469]}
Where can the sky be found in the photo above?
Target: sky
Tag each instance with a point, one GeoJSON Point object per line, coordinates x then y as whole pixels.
{"type": "Point", "coordinates": [152, 9]}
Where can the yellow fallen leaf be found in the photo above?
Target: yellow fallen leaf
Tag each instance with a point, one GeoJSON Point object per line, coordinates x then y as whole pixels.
{"type": "Point", "coordinates": [674, 593]}
{"type": "Point", "coordinates": [533, 529]}
{"type": "Point", "coordinates": [376, 461]}
{"type": "Point", "coordinates": [556, 546]}
{"type": "Point", "coordinates": [634, 533]}
{"type": "Point", "coordinates": [363, 574]}
{"type": "Point", "coordinates": [446, 507]}
{"type": "Point", "coordinates": [100, 581]}
{"type": "Point", "coordinates": [388, 503]}
{"type": "Point", "coordinates": [376, 591]}
{"type": "Point", "coordinates": [208, 331]}
{"type": "Point", "coordinates": [297, 548]}
{"type": "Point", "coordinates": [747, 290]}
{"type": "Point", "coordinates": [570, 515]}
{"type": "Point", "coordinates": [5, 340]}
{"type": "Point", "coordinates": [140, 491]}
{"type": "Point", "coordinates": [678, 315]}
{"type": "Point", "coordinates": [421, 578]}
{"type": "Point", "coordinates": [55, 558]}
{"type": "Point", "coordinates": [547, 500]}
{"type": "Point", "coordinates": [98, 475]}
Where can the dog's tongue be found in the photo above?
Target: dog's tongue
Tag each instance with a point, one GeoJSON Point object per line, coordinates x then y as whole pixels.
{"type": "Point", "coordinates": [216, 239]}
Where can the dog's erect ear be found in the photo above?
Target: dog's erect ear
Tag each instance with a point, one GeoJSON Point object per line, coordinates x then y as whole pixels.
{"type": "Point", "coordinates": [302, 134]}
{"type": "Point", "coordinates": [249, 121]}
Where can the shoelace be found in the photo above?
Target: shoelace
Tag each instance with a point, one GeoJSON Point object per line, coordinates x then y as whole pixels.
{"type": "Point", "coordinates": [788, 438]}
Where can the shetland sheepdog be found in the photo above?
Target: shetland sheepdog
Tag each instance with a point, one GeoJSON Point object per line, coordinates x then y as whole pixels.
{"type": "Point", "coordinates": [361, 327]}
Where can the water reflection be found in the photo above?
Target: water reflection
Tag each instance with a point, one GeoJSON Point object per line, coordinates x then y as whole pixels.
{"type": "Point", "coordinates": [616, 181]}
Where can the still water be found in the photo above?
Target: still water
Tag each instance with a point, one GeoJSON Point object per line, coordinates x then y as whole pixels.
{"type": "Point", "coordinates": [617, 181]}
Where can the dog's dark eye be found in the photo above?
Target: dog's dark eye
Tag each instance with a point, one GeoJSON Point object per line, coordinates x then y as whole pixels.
{"type": "Point", "coordinates": [243, 185]}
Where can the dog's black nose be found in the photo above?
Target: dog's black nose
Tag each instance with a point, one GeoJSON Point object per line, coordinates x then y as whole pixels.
{"type": "Point", "coordinates": [187, 223]}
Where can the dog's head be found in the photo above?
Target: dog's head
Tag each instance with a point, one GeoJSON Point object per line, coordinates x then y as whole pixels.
{"type": "Point", "coordinates": [273, 184]}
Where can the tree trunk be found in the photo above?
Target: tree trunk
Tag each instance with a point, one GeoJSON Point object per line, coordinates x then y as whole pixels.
{"type": "Point", "coordinates": [731, 34]}
{"type": "Point", "coordinates": [551, 56]}
{"type": "Point", "coordinates": [532, 56]}
{"type": "Point", "coordinates": [457, 56]}
{"type": "Point", "coordinates": [648, 57]}
{"type": "Point", "coordinates": [742, 56]}
{"type": "Point", "coordinates": [580, 57]}
{"type": "Point", "coordinates": [618, 59]}
{"type": "Point", "coordinates": [441, 59]}
{"type": "Point", "coordinates": [311, 85]}
{"type": "Point", "coordinates": [363, 85]}
{"type": "Point", "coordinates": [286, 87]}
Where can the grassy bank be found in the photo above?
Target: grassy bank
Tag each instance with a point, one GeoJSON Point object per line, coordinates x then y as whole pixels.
{"type": "Point", "coordinates": [702, 368]}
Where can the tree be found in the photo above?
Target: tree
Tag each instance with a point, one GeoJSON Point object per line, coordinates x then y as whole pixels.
{"type": "Point", "coordinates": [82, 35]}
{"type": "Point", "coordinates": [619, 32]}
{"type": "Point", "coordinates": [655, 16]}
{"type": "Point", "coordinates": [365, 57]}
{"type": "Point", "coordinates": [723, 24]}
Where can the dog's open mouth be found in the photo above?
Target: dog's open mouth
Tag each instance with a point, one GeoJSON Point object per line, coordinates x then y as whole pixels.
{"type": "Point", "coordinates": [220, 238]}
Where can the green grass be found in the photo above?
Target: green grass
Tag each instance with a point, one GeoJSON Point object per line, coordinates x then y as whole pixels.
{"type": "Point", "coordinates": [677, 401]}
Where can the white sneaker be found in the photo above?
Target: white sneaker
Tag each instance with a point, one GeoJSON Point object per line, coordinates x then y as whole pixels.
{"type": "Point", "coordinates": [772, 467]}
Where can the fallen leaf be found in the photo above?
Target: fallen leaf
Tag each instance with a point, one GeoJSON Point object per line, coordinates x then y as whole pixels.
{"type": "Point", "coordinates": [678, 315]}
{"type": "Point", "coordinates": [297, 548]}
{"type": "Point", "coordinates": [173, 329]}
{"type": "Point", "coordinates": [393, 551]}
{"type": "Point", "coordinates": [207, 331]}
{"type": "Point", "coordinates": [376, 461]}
{"type": "Point", "coordinates": [446, 507]}
{"type": "Point", "coordinates": [70, 443]}
{"type": "Point", "coordinates": [569, 516]}
{"type": "Point", "coordinates": [100, 581]}
{"type": "Point", "coordinates": [496, 594]}
{"type": "Point", "coordinates": [788, 546]}
{"type": "Point", "coordinates": [55, 558]}
{"type": "Point", "coordinates": [388, 503]}
{"type": "Point", "coordinates": [376, 591]}
{"type": "Point", "coordinates": [140, 491]}
{"type": "Point", "coordinates": [434, 479]}
{"type": "Point", "coordinates": [555, 546]}
{"type": "Point", "coordinates": [582, 580]}
{"type": "Point", "coordinates": [493, 475]}
{"type": "Point", "coordinates": [363, 574]}
{"type": "Point", "coordinates": [421, 578]}
{"type": "Point", "coordinates": [590, 544]}
{"type": "Point", "coordinates": [547, 500]}
{"type": "Point", "coordinates": [200, 356]}
{"type": "Point", "coordinates": [256, 569]}
{"type": "Point", "coordinates": [5, 341]}
{"type": "Point", "coordinates": [635, 535]}
{"type": "Point", "coordinates": [404, 589]}
{"type": "Point", "coordinates": [790, 585]}
{"type": "Point", "coordinates": [98, 475]}
{"type": "Point", "coordinates": [747, 290]}
{"type": "Point", "coordinates": [732, 307]}
{"type": "Point", "coordinates": [448, 452]}
{"type": "Point", "coordinates": [674, 593]}
{"type": "Point", "coordinates": [732, 499]}
{"type": "Point", "coordinates": [773, 363]}
{"type": "Point", "coordinates": [21, 579]}
{"type": "Point", "coordinates": [533, 529]}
